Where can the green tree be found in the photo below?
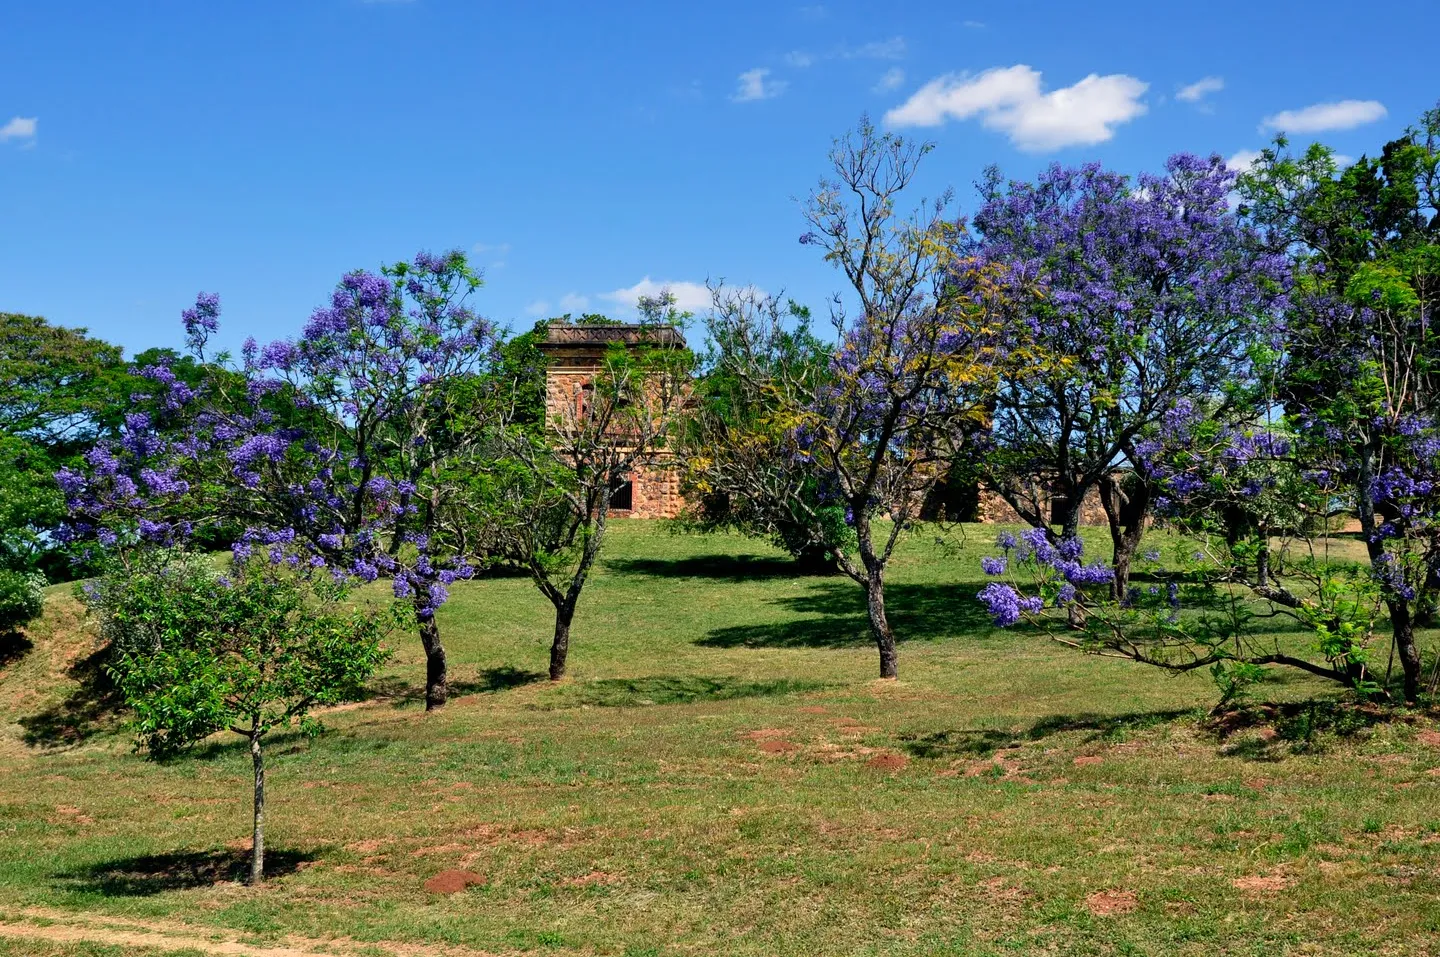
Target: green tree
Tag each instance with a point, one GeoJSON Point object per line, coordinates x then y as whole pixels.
{"type": "Point", "coordinates": [1359, 378]}
{"type": "Point", "coordinates": [738, 472]}
{"type": "Point", "coordinates": [541, 497]}
{"type": "Point", "coordinates": [196, 653]}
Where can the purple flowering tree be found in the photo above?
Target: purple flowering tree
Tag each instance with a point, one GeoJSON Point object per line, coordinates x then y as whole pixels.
{"type": "Point", "coordinates": [1147, 296]}
{"type": "Point", "coordinates": [1194, 614]}
{"type": "Point", "coordinates": [334, 449]}
{"type": "Point", "coordinates": [1359, 379]}
{"type": "Point", "coordinates": [915, 361]}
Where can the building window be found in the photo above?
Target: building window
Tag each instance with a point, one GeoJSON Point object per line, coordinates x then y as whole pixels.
{"type": "Point", "coordinates": [622, 495]}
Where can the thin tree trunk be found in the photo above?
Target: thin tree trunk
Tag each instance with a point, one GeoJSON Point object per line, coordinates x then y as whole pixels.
{"type": "Point", "coordinates": [880, 625]}
{"type": "Point", "coordinates": [560, 647]}
{"type": "Point", "coordinates": [1125, 513]}
{"type": "Point", "coordinates": [257, 847]}
{"type": "Point", "coordinates": [437, 688]}
{"type": "Point", "coordinates": [1404, 626]}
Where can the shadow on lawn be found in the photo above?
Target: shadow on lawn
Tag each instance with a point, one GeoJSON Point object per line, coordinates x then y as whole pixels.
{"type": "Point", "coordinates": [734, 568]}
{"type": "Point", "coordinates": [916, 612]}
{"type": "Point", "coordinates": [488, 681]}
{"type": "Point", "coordinates": [680, 689]}
{"type": "Point", "coordinates": [92, 708]}
{"type": "Point", "coordinates": [13, 647]}
{"type": "Point", "coordinates": [982, 742]}
{"type": "Point", "coordinates": [158, 873]}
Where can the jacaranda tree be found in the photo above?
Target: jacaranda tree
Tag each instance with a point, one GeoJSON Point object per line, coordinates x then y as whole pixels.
{"type": "Point", "coordinates": [922, 336]}
{"type": "Point", "coordinates": [334, 449]}
{"type": "Point", "coordinates": [1359, 382]}
{"type": "Point", "coordinates": [1143, 295]}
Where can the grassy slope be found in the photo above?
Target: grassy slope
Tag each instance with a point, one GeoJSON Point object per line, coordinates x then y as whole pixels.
{"type": "Point", "coordinates": [639, 810]}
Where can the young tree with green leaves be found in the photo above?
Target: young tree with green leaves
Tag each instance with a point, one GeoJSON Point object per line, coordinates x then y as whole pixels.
{"type": "Point", "coordinates": [763, 363]}
{"type": "Point", "coordinates": [196, 653]}
{"type": "Point", "coordinates": [543, 492]}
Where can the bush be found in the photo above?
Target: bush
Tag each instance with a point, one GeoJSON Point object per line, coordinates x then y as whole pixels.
{"type": "Point", "coordinates": [22, 598]}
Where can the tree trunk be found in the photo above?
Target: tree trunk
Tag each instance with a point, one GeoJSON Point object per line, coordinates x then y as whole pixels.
{"type": "Point", "coordinates": [880, 625]}
{"type": "Point", "coordinates": [1409, 652]}
{"type": "Point", "coordinates": [560, 647]}
{"type": "Point", "coordinates": [1125, 513]}
{"type": "Point", "coordinates": [437, 688]}
{"type": "Point", "coordinates": [257, 839]}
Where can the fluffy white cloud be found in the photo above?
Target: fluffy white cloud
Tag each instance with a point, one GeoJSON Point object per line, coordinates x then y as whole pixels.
{"type": "Point", "coordinates": [1342, 115]}
{"type": "Point", "coordinates": [539, 309]}
{"type": "Point", "coordinates": [799, 59]}
{"type": "Point", "coordinates": [1243, 160]}
{"type": "Point", "coordinates": [1200, 89]}
{"type": "Point", "coordinates": [689, 296]}
{"type": "Point", "coordinates": [20, 128]}
{"type": "Point", "coordinates": [754, 85]}
{"type": "Point", "coordinates": [574, 302]}
{"type": "Point", "coordinates": [891, 80]}
{"type": "Point", "coordinates": [1010, 99]}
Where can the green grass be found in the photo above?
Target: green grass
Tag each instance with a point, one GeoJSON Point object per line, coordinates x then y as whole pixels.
{"type": "Point", "coordinates": [643, 807]}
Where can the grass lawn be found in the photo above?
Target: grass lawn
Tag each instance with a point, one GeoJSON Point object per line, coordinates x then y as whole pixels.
{"type": "Point", "coordinates": [722, 775]}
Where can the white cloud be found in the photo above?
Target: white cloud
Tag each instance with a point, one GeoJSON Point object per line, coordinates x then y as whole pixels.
{"type": "Point", "coordinates": [20, 128]}
{"type": "Point", "coordinates": [753, 85]}
{"type": "Point", "coordinates": [574, 302]}
{"type": "Point", "coordinates": [1342, 115]}
{"type": "Point", "coordinates": [689, 296]}
{"type": "Point", "coordinates": [891, 49]}
{"type": "Point", "coordinates": [539, 309]}
{"type": "Point", "coordinates": [799, 59]}
{"type": "Point", "coordinates": [890, 81]}
{"type": "Point", "coordinates": [1242, 160]}
{"type": "Point", "coordinates": [815, 11]}
{"type": "Point", "coordinates": [1009, 99]}
{"type": "Point", "coordinates": [485, 249]}
{"type": "Point", "coordinates": [1200, 89]}
{"type": "Point", "coordinates": [973, 24]}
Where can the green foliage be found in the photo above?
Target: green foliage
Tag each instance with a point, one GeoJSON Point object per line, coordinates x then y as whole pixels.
{"type": "Point", "coordinates": [22, 599]}
{"type": "Point", "coordinates": [195, 653]}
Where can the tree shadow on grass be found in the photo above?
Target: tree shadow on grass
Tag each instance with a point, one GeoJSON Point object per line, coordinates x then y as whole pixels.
{"type": "Point", "coordinates": [488, 681]}
{"type": "Point", "coordinates": [13, 647]}
{"type": "Point", "coordinates": [183, 870]}
{"type": "Point", "coordinates": [838, 618]}
{"type": "Point", "coordinates": [94, 707]}
{"type": "Point", "coordinates": [733, 568]}
{"type": "Point", "coordinates": [679, 689]}
{"type": "Point", "coordinates": [981, 742]}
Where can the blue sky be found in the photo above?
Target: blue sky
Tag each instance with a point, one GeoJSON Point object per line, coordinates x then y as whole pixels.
{"type": "Point", "coordinates": [152, 150]}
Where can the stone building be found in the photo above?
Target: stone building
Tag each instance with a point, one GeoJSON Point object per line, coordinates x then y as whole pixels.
{"type": "Point", "coordinates": [575, 353]}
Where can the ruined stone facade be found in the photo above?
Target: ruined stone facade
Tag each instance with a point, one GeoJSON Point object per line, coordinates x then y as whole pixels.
{"type": "Point", "coordinates": [993, 508]}
{"type": "Point", "coordinates": [575, 353]}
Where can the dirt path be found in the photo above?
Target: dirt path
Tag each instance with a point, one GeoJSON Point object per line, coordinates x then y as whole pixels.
{"type": "Point", "coordinates": [35, 923]}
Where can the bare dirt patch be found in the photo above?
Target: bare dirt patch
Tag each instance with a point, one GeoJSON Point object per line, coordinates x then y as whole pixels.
{"type": "Point", "coordinates": [452, 881]}
{"type": "Point", "coordinates": [1088, 760]}
{"type": "Point", "coordinates": [1111, 902]}
{"type": "Point", "coordinates": [813, 709]}
{"type": "Point", "coordinates": [778, 746]}
{"type": "Point", "coordinates": [1431, 739]}
{"type": "Point", "coordinates": [1262, 884]}
{"type": "Point", "coordinates": [887, 762]}
{"type": "Point", "coordinates": [762, 734]}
